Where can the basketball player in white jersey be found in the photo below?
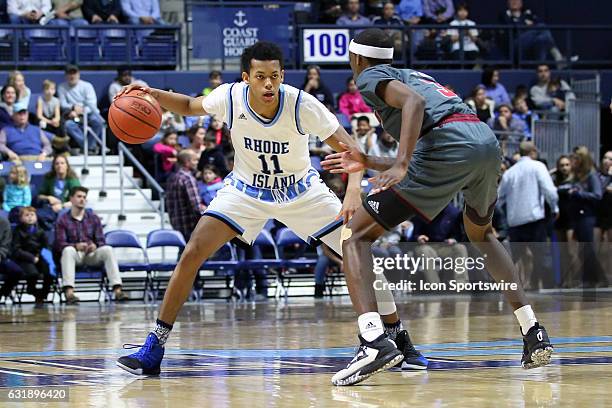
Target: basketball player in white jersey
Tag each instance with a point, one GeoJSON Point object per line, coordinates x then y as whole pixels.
{"type": "Point", "coordinates": [272, 178]}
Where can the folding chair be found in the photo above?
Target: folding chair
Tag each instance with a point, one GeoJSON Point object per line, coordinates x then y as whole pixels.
{"type": "Point", "coordinates": [164, 238]}
{"type": "Point", "coordinates": [123, 239]}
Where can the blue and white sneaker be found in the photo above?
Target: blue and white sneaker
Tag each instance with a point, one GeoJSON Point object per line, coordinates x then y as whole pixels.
{"type": "Point", "coordinates": [413, 360]}
{"type": "Point", "coordinates": [145, 361]}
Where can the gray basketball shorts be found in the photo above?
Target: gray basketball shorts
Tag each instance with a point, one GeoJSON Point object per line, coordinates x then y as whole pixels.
{"type": "Point", "coordinates": [456, 156]}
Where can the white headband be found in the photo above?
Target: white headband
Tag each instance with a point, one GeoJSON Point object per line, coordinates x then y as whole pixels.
{"type": "Point", "coordinates": [371, 52]}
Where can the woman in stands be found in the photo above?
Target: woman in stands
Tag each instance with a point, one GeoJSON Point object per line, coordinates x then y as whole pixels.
{"type": "Point", "coordinates": [584, 198]}
{"type": "Point", "coordinates": [9, 97]}
{"type": "Point", "coordinates": [315, 86]}
{"type": "Point", "coordinates": [55, 189]}
{"type": "Point", "coordinates": [483, 105]}
{"type": "Point", "coordinates": [603, 232]}
{"type": "Point", "coordinates": [351, 102]}
{"type": "Point", "coordinates": [493, 88]}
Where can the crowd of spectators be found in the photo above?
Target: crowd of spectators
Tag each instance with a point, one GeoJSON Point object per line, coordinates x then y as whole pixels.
{"type": "Point", "coordinates": [82, 12]}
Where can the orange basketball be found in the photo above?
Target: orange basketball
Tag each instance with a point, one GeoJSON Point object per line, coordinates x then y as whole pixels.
{"type": "Point", "coordinates": [135, 117]}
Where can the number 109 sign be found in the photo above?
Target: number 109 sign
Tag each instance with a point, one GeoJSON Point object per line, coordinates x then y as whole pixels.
{"type": "Point", "coordinates": [324, 46]}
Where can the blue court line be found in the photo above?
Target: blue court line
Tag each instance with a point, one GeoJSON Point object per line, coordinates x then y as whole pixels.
{"type": "Point", "coordinates": [428, 349]}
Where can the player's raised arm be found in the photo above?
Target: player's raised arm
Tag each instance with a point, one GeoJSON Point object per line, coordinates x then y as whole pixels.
{"type": "Point", "coordinates": [174, 102]}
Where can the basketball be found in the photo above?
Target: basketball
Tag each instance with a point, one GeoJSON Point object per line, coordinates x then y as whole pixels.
{"type": "Point", "coordinates": [135, 117]}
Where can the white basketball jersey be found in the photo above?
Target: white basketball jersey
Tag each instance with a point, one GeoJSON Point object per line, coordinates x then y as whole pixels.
{"type": "Point", "coordinates": [272, 153]}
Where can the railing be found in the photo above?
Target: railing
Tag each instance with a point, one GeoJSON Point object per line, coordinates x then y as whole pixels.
{"type": "Point", "coordinates": [90, 45]}
{"type": "Point", "coordinates": [123, 153]}
{"type": "Point", "coordinates": [101, 141]}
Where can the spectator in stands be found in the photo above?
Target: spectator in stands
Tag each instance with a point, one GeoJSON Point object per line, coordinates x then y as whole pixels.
{"type": "Point", "coordinates": [222, 134]}
{"type": "Point", "coordinates": [22, 140]}
{"type": "Point", "coordinates": [17, 192]}
{"type": "Point", "coordinates": [313, 84]}
{"type": "Point", "coordinates": [215, 78]}
{"type": "Point", "coordinates": [27, 11]}
{"type": "Point", "coordinates": [438, 11]}
{"type": "Point", "coordinates": [9, 97]}
{"type": "Point", "coordinates": [78, 97]}
{"type": "Point", "coordinates": [28, 243]}
{"type": "Point", "coordinates": [124, 78]}
{"type": "Point", "coordinates": [168, 149]}
{"type": "Point", "coordinates": [170, 121]}
{"type": "Point", "coordinates": [10, 272]}
{"type": "Point", "coordinates": [102, 11]}
{"type": "Point", "coordinates": [494, 89]}
{"type": "Point", "coordinates": [183, 201]}
{"type": "Point", "coordinates": [547, 97]}
{"type": "Point", "coordinates": [48, 110]}
{"type": "Point", "coordinates": [196, 136]}
{"type": "Point", "coordinates": [390, 19]}
{"type": "Point", "coordinates": [17, 79]}
{"type": "Point", "coordinates": [365, 134]}
{"type": "Point", "coordinates": [481, 103]}
{"type": "Point", "coordinates": [584, 198]}
{"type": "Point", "coordinates": [329, 11]}
{"type": "Point", "coordinates": [506, 121]}
{"type": "Point", "coordinates": [410, 11]}
{"type": "Point", "coordinates": [79, 240]}
{"type": "Point", "coordinates": [211, 183]}
{"type": "Point", "coordinates": [536, 42]}
{"type": "Point", "coordinates": [351, 102]}
{"type": "Point", "coordinates": [142, 11]}
{"type": "Point", "coordinates": [57, 184]}
{"type": "Point", "coordinates": [441, 238]}
{"type": "Point", "coordinates": [68, 13]}
{"type": "Point", "coordinates": [352, 16]}
{"type": "Point", "coordinates": [604, 213]}
{"type": "Point", "coordinates": [385, 146]}
{"type": "Point", "coordinates": [563, 179]}
{"type": "Point", "coordinates": [523, 189]}
{"type": "Point", "coordinates": [212, 155]}
{"type": "Point", "coordinates": [470, 37]}
{"type": "Point", "coordinates": [521, 110]}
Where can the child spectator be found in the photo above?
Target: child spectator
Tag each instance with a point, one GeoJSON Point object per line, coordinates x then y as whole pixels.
{"type": "Point", "coordinates": [506, 121]}
{"type": "Point", "coordinates": [48, 110]}
{"type": "Point", "coordinates": [210, 184]}
{"type": "Point", "coordinates": [168, 149]}
{"type": "Point", "coordinates": [351, 101]}
{"type": "Point", "coordinates": [493, 88]}
{"type": "Point", "coordinates": [522, 111]}
{"type": "Point", "coordinates": [215, 79]}
{"type": "Point", "coordinates": [17, 191]}
{"type": "Point", "coordinates": [28, 242]}
{"type": "Point", "coordinates": [470, 37]}
{"type": "Point", "coordinates": [364, 134]}
{"type": "Point", "coordinates": [483, 105]}
{"type": "Point", "coordinates": [212, 155]}
{"type": "Point", "coordinates": [17, 80]}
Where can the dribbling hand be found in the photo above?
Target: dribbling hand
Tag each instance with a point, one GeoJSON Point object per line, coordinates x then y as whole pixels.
{"type": "Point", "coordinates": [128, 88]}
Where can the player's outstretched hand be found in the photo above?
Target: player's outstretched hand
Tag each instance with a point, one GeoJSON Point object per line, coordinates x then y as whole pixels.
{"type": "Point", "coordinates": [350, 204]}
{"type": "Point", "coordinates": [132, 87]}
{"type": "Point", "coordinates": [351, 160]}
{"type": "Point", "coordinates": [386, 179]}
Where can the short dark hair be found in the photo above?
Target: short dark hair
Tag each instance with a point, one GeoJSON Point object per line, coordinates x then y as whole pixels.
{"type": "Point", "coordinates": [210, 136]}
{"type": "Point", "coordinates": [375, 37]}
{"type": "Point", "coordinates": [212, 168]}
{"type": "Point", "coordinates": [214, 74]}
{"type": "Point", "coordinates": [462, 5]}
{"type": "Point", "coordinates": [363, 119]}
{"type": "Point", "coordinates": [262, 51]}
{"type": "Point", "coordinates": [349, 80]}
{"type": "Point", "coordinates": [76, 189]}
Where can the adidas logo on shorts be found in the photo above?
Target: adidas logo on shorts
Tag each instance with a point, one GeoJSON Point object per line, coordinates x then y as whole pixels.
{"type": "Point", "coordinates": [374, 205]}
{"type": "Point", "coordinates": [370, 325]}
{"type": "Point", "coordinates": [242, 116]}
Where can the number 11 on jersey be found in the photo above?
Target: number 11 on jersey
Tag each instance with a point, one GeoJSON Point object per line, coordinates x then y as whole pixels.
{"type": "Point", "coordinates": [265, 169]}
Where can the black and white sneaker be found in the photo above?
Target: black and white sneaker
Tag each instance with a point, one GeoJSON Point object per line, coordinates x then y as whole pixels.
{"type": "Point", "coordinates": [536, 348]}
{"type": "Point", "coordinates": [413, 360]}
{"type": "Point", "coordinates": [371, 358]}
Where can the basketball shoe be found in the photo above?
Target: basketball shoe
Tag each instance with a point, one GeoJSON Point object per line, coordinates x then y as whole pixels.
{"type": "Point", "coordinates": [145, 361]}
{"type": "Point", "coordinates": [371, 358]}
{"type": "Point", "coordinates": [536, 348]}
{"type": "Point", "coordinates": [413, 360]}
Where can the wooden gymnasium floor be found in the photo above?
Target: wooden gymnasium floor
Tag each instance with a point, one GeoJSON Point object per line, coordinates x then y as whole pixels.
{"type": "Point", "coordinates": [283, 355]}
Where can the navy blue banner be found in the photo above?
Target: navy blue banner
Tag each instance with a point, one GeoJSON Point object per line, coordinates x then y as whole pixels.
{"type": "Point", "coordinates": [224, 32]}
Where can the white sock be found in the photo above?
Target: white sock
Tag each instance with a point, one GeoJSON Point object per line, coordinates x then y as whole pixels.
{"type": "Point", "coordinates": [526, 318]}
{"type": "Point", "coordinates": [370, 325]}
